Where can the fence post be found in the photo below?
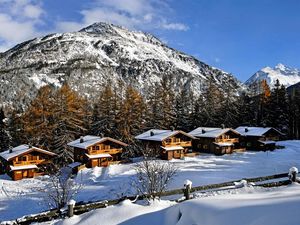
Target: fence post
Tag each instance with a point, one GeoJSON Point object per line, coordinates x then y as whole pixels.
{"type": "Point", "coordinates": [187, 189]}
{"type": "Point", "coordinates": [293, 174]}
{"type": "Point", "coordinates": [71, 205]}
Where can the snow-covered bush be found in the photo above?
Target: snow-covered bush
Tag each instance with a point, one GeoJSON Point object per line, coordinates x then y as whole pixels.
{"type": "Point", "coordinates": [153, 176]}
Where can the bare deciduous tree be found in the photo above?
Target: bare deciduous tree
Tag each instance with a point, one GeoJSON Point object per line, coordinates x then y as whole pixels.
{"type": "Point", "coordinates": [61, 188]}
{"type": "Point", "coordinates": [153, 176]}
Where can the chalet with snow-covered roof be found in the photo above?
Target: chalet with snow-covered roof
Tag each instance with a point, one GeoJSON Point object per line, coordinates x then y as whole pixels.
{"type": "Point", "coordinates": [215, 140]}
{"type": "Point", "coordinates": [259, 138]}
{"type": "Point", "coordinates": [25, 161]}
{"type": "Point", "coordinates": [168, 143]}
{"type": "Point", "coordinates": [97, 151]}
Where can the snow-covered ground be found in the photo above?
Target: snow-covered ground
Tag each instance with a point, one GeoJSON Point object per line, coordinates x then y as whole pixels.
{"type": "Point", "coordinates": [247, 206]}
{"type": "Point", "coordinates": [18, 198]}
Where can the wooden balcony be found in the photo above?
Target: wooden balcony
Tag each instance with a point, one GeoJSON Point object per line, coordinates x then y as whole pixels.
{"type": "Point", "coordinates": [109, 151]}
{"type": "Point", "coordinates": [29, 162]}
{"type": "Point", "coordinates": [181, 143]}
{"type": "Point", "coordinates": [228, 140]}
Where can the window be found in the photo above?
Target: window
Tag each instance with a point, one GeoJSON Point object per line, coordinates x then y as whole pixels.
{"type": "Point", "coordinates": [205, 146]}
{"type": "Point", "coordinates": [97, 147]}
{"type": "Point", "coordinates": [94, 148]}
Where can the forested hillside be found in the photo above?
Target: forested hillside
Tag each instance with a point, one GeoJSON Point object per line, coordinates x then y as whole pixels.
{"type": "Point", "coordinates": [59, 115]}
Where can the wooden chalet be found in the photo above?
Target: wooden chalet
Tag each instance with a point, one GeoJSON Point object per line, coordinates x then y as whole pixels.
{"type": "Point", "coordinates": [25, 161]}
{"type": "Point", "coordinates": [259, 138]}
{"type": "Point", "coordinates": [97, 151]}
{"type": "Point", "coordinates": [218, 141]}
{"type": "Point", "coordinates": [168, 143]}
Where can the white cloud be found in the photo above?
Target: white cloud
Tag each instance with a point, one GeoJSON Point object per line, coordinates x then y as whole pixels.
{"type": "Point", "coordinates": [33, 11]}
{"type": "Point", "coordinates": [134, 14]}
{"type": "Point", "coordinates": [18, 20]}
{"type": "Point", "coordinates": [174, 26]}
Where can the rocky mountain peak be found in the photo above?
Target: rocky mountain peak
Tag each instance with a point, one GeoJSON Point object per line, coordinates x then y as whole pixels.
{"type": "Point", "coordinates": [99, 53]}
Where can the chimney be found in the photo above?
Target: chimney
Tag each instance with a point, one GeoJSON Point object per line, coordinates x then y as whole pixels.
{"type": "Point", "coordinates": [81, 139]}
{"type": "Point", "coordinates": [203, 131]}
{"type": "Point", "coordinates": [151, 133]}
{"type": "Point", "coordinates": [29, 145]}
{"type": "Point", "coordinates": [10, 150]}
{"type": "Point", "coordinates": [101, 135]}
{"type": "Point", "coordinates": [223, 126]}
{"type": "Point", "coordinates": [172, 128]}
{"type": "Point", "coordinates": [246, 129]}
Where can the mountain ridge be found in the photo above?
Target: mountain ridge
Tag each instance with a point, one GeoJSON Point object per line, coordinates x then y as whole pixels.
{"type": "Point", "coordinates": [96, 54]}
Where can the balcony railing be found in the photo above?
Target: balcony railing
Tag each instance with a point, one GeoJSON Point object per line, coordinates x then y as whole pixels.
{"type": "Point", "coordinates": [180, 143]}
{"type": "Point", "coordinates": [29, 162]}
{"type": "Point", "coordinates": [109, 151]}
{"type": "Point", "coordinates": [231, 140]}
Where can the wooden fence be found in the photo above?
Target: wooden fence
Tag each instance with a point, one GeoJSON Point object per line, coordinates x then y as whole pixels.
{"type": "Point", "coordinates": [83, 207]}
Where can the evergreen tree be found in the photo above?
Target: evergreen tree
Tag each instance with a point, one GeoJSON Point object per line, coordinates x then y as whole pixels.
{"type": "Point", "coordinates": [294, 114]}
{"type": "Point", "coordinates": [105, 112]}
{"type": "Point", "coordinates": [69, 115]}
{"type": "Point", "coordinates": [183, 110]}
{"type": "Point", "coordinates": [4, 138]}
{"type": "Point", "coordinates": [278, 108]}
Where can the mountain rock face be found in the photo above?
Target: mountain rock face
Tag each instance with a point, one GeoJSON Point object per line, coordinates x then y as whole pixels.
{"type": "Point", "coordinates": [286, 76]}
{"type": "Point", "coordinates": [95, 55]}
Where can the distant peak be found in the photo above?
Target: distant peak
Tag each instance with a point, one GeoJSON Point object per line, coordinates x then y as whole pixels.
{"type": "Point", "coordinates": [280, 66]}
{"type": "Point", "coordinates": [98, 27]}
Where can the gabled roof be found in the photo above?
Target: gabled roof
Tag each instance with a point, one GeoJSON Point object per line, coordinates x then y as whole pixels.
{"type": "Point", "coordinates": [210, 132]}
{"type": "Point", "coordinates": [90, 140]}
{"type": "Point", "coordinates": [20, 150]}
{"type": "Point", "coordinates": [206, 129]}
{"type": "Point", "coordinates": [255, 131]}
{"type": "Point", "coordinates": [160, 135]}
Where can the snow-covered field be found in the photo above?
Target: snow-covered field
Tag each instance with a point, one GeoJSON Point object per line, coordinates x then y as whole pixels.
{"type": "Point", "coordinates": [18, 198]}
{"type": "Point", "coordinates": [249, 206]}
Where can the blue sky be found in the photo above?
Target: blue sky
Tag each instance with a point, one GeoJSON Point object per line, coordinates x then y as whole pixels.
{"type": "Point", "coordinates": [238, 36]}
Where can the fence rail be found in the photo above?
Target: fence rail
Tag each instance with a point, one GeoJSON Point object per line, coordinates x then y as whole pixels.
{"type": "Point", "coordinates": [82, 207]}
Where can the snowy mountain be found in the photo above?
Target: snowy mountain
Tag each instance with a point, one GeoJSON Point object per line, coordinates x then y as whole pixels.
{"type": "Point", "coordinates": [95, 55]}
{"type": "Point", "coordinates": [286, 76]}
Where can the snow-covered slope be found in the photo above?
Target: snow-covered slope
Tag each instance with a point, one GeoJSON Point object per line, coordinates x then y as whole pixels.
{"type": "Point", "coordinates": [248, 206]}
{"type": "Point", "coordinates": [95, 55]}
{"type": "Point", "coordinates": [286, 76]}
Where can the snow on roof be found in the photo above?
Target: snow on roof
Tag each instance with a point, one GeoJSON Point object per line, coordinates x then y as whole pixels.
{"type": "Point", "coordinates": [25, 167]}
{"type": "Point", "coordinates": [172, 148]}
{"type": "Point", "coordinates": [267, 142]}
{"type": "Point", "coordinates": [19, 150]}
{"type": "Point", "coordinates": [90, 140]}
{"type": "Point", "coordinates": [206, 129]}
{"type": "Point", "coordinates": [254, 131]}
{"type": "Point", "coordinates": [160, 135]}
{"type": "Point", "coordinates": [209, 132]}
{"type": "Point", "coordinates": [97, 156]}
{"type": "Point", "coordinates": [223, 144]}
{"type": "Point", "coordinates": [74, 164]}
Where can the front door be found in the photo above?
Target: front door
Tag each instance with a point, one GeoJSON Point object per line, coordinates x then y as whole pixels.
{"type": "Point", "coordinates": [103, 162]}
{"type": "Point", "coordinates": [25, 173]}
